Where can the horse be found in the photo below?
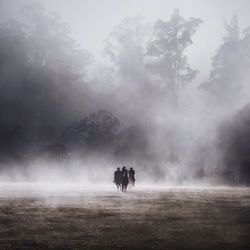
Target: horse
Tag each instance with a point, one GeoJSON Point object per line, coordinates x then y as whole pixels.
{"type": "Point", "coordinates": [131, 177]}
{"type": "Point", "coordinates": [118, 184]}
{"type": "Point", "coordinates": [131, 182]}
{"type": "Point", "coordinates": [124, 182]}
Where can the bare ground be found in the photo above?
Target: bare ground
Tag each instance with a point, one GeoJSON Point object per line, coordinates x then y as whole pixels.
{"type": "Point", "coordinates": [35, 218]}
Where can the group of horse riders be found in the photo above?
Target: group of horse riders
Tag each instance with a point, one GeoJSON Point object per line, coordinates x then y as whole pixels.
{"type": "Point", "coordinates": [123, 178]}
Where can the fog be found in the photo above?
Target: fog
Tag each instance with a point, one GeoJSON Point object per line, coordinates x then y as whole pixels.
{"type": "Point", "coordinates": [161, 86]}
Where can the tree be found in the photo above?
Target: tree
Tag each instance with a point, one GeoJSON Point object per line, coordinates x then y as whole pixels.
{"type": "Point", "coordinates": [41, 67]}
{"type": "Point", "coordinates": [230, 65]}
{"type": "Point", "coordinates": [233, 147]}
{"type": "Point", "coordinates": [126, 50]}
{"type": "Point", "coordinates": [51, 44]}
{"type": "Point", "coordinates": [96, 131]}
{"type": "Point", "coordinates": [102, 132]}
{"type": "Point", "coordinates": [125, 45]}
{"type": "Point", "coordinates": [165, 52]}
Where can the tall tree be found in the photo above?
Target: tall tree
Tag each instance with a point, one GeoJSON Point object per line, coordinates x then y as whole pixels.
{"type": "Point", "coordinates": [166, 53]}
{"type": "Point", "coordinates": [54, 56]}
{"type": "Point", "coordinates": [126, 50]}
{"type": "Point", "coordinates": [40, 64]}
{"type": "Point", "coordinates": [231, 64]}
{"type": "Point", "coordinates": [125, 46]}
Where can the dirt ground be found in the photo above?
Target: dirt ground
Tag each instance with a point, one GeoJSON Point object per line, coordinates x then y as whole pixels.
{"type": "Point", "coordinates": [33, 217]}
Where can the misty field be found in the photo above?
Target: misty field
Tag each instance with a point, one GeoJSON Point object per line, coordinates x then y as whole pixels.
{"type": "Point", "coordinates": [41, 217]}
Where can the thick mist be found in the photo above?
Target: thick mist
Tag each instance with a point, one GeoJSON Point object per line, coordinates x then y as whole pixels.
{"type": "Point", "coordinates": [68, 115]}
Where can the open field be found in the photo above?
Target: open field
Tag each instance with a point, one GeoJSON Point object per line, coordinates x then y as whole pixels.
{"type": "Point", "coordinates": [40, 217]}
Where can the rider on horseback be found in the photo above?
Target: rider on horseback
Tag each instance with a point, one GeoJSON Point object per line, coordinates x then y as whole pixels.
{"type": "Point", "coordinates": [118, 178]}
{"type": "Point", "coordinates": [131, 177]}
{"type": "Point", "coordinates": [124, 179]}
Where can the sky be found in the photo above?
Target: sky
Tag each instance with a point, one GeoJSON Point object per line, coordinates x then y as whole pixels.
{"type": "Point", "coordinates": [91, 21]}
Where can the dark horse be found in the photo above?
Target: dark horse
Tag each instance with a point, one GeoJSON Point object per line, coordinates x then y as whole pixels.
{"type": "Point", "coordinates": [131, 178]}
{"type": "Point", "coordinates": [118, 178]}
{"type": "Point", "coordinates": [124, 179]}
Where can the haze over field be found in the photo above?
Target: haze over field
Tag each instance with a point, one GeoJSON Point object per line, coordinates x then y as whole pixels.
{"type": "Point", "coordinates": [163, 86]}
{"type": "Point", "coordinates": [35, 218]}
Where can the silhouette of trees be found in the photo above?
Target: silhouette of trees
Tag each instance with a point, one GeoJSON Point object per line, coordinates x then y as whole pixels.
{"type": "Point", "coordinates": [98, 130]}
{"type": "Point", "coordinates": [153, 56]}
{"type": "Point", "coordinates": [40, 69]}
{"type": "Point", "coordinates": [51, 45]}
{"type": "Point", "coordinates": [102, 132]}
{"type": "Point", "coordinates": [233, 140]}
{"type": "Point", "coordinates": [231, 64]}
{"type": "Point", "coordinates": [166, 53]}
{"type": "Point", "coordinates": [125, 46]}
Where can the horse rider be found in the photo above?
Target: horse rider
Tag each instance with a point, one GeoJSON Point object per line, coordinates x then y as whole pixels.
{"type": "Point", "coordinates": [131, 176]}
{"type": "Point", "coordinates": [124, 178]}
{"type": "Point", "coordinates": [118, 178]}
